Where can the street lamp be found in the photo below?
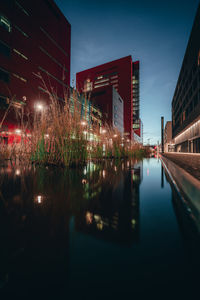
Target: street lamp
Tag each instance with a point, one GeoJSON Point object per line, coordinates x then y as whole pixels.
{"type": "Point", "coordinates": [39, 106]}
{"type": "Point", "coordinates": [83, 123]}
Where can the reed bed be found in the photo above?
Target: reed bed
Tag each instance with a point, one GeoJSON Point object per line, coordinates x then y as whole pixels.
{"type": "Point", "coordinates": [57, 136]}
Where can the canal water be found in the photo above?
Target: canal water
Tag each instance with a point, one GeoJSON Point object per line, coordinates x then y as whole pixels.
{"type": "Point", "coordinates": [115, 230]}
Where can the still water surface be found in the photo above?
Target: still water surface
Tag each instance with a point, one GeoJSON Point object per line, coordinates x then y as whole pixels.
{"type": "Point", "coordinates": [107, 231]}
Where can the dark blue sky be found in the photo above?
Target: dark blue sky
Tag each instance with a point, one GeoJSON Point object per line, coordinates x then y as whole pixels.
{"type": "Point", "coordinates": [154, 32]}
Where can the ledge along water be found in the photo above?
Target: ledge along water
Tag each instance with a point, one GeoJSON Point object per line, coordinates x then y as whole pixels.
{"type": "Point", "coordinates": [109, 230]}
{"type": "Point", "coordinates": [187, 186]}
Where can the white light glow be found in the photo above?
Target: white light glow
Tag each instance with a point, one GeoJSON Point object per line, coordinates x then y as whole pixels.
{"type": "Point", "coordinates": [39, 199]}
{"type": "Point", "coordinates": [18, 131]}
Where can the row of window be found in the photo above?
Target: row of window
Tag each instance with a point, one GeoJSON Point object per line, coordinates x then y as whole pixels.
{"type": "Point", "coordinates": [184, 99]}
{"type": "Point", "coordinates": [52, 58]}
{"type": "Point", "coordinates": [106, 75]}
{"type": "Point", "coordinates": [5, 76]}
{"type": "Point", "coordinates": [103, 84]}
{"type": "Point", "coordinates": [4, 22]}
{"type": "Point", "coordinates": [185, 113]}
{"type": "Point", "coordinates": [22, 8]}
{"type": "Point", "coordinates": [53, 41]}
{"type": "Point", "coordinates": [184, 81]}
{"type": "Point", "coordinates": [6, 51]}
{"type": "Point", "coordinates": [49, 74]}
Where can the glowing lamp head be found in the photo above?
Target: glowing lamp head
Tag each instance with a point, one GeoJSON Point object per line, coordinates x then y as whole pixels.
{"type": "Point", "coordinates": [18, 131]}
{"type": "Point", "coordinates": [39, 106]}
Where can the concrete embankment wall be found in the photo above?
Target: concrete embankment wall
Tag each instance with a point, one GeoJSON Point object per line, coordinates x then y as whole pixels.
{"type": "Point", "coordinates": [187, 186]}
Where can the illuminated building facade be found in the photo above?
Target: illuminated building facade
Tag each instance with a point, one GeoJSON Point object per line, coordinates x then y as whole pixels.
{"type": "Point", "coordinates": [111, 105]}
{"type": "Point", "coordinates": [34, 48]}
{"type": "Point", "coordinates": [186, 99]}
{"type": "Point", "coordinates": [90, 114]}
{"type": "Point", "coordinates": [123, 75]}
{"type": "Point", "coordinates": [136, 98]}
{"type": "Point", "coordinates": [168, 142]}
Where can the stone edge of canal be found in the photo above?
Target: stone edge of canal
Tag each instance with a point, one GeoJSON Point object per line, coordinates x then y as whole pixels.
{"type": "Point", "coordinates": [187, 187]}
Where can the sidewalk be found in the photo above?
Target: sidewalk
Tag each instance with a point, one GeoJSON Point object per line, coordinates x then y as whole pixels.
{"type": "Point", "coordinates": [187, 161]}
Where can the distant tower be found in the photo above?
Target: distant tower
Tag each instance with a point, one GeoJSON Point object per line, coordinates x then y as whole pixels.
{"type": "Point", "coordinates": [162, 134]}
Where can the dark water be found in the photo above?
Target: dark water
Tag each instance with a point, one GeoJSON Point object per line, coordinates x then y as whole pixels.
{"type": "Point", "coordinates": [115, 230]}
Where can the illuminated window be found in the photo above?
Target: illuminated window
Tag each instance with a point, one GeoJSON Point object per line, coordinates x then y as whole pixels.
{"type": "Point", "coordinates": [102, 80]}
{"type": "Point", "coordinates": [87, 85]}
{"type": "Point", "coordinates": [103, 84]}
{"type": "Point", "coordinates": [19, 77]}
{"type": "Point", "coordinates": [20, 54]}
{"type": "Point", "coordinates": [4, 22]}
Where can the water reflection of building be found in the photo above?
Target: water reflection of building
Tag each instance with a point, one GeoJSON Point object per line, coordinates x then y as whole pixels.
{"type": "Point", "coordinates": [34, 232]}
{"type": "Point", "coordinates": [114, 214]}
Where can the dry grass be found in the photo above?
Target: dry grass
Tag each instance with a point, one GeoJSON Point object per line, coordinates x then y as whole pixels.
{"type": "Point", "coordinates": [58, 137]}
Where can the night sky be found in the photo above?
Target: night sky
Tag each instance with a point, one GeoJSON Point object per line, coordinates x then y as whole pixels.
{"type": "Point", "coordinates": [154, 32]}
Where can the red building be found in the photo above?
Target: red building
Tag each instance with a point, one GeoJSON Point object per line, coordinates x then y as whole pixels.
{"type": "Point", "coordinates": [34, 39]}
{"type": "Point", "coordinates": [119, 74]}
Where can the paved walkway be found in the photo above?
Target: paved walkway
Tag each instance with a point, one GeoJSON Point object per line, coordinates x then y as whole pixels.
{"type": "Point", "coordinates": [189, 162]}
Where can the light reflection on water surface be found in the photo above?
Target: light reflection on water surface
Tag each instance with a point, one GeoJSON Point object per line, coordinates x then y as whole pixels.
{"type": "Point", "coordinates": [110, 228]}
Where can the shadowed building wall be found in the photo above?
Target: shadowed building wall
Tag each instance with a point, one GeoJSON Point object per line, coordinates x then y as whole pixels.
{"type": "Point", "coordinates": [186, 99]}
{"type": "Point", "coordinates": [35, 42]}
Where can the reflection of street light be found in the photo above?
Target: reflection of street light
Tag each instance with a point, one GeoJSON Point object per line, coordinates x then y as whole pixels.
{"type": "Point", "coordinates": [17, 172]}
{"type": "Point", "coordinates": [115, 135]}
{"type": "Point", "coordinates": [39, 199]}
{"type": "Point", "coordinates": [103, 131]}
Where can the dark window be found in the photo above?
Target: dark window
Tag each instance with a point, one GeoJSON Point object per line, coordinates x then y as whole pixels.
{"type": "Point", "coordinates": [4, 49]}
{"type": "Point", "coordinates": [4, 102]}
{"type": "Point", "coordinates": [4, 76]}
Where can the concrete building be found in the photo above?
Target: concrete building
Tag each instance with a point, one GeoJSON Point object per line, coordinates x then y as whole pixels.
{"type": "Point", "coordinates": [35, 40]}
{"type": "Point", "coordinates": [186, 99]}
{"type": "Point", "coordinates": [168, 141]}
{"type": "Point", "coordinates": [123, 75]}
{"type": "Point", "coordinates": [111, 105]}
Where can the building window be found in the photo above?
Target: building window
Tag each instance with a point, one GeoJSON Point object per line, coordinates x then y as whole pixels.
{"type": "Point", "coordinates": [4, 102]}
{"type": "Point", "coordinates": [22, 32]}
{"type": "Point", "coordinates": [4, 76]}
{"type": "Point", "coordinates": [88, 85]}
{"type": "Point", "coordinates": [20, 6]}
{"type": "Point", "coordinates": [19, 77]}
{"type": "Point", "coordinates": [4, 22]}
{"type": "Point", "coordinates": [20, 54]}
{"type": "Point", "coordinates": [4, 49]}
{"type": "Point", "coordinates": [59, 64]}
